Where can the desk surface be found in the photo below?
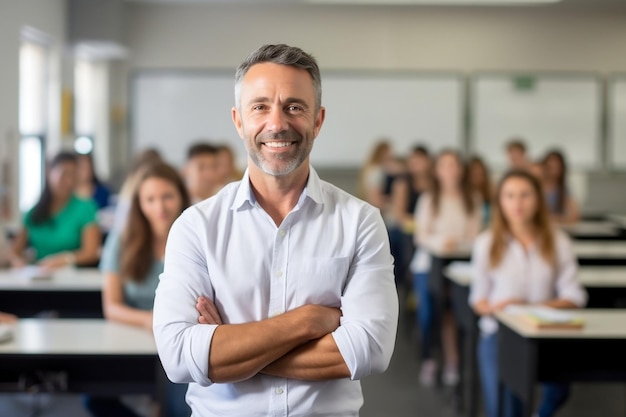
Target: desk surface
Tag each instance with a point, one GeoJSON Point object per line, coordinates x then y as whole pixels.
{"type": "Point", "coordinates": [458, 253]}
{"type": "Point", "coordinates": [588, 276]}
{"type": "Point", "coordinates": [600, 249]}
{"type": "Point", "coordinates": [77, 337]}
{"type": "Point", "coordinates": [620, 219]}
{"type": "Point", "coordinates": [599, 324]}
{"type": "Point", "coordinates": [65, 279]}
{"type": "Point", "coordinates": [593, 228]}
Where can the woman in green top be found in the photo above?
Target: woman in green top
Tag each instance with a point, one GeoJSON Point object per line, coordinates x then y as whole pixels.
{"type": "Point", "coordinates": [61, 229]}
{"type": "Point", "coordinates": [132, 262]}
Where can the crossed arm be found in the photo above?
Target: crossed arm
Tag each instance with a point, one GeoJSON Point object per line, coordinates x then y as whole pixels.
{"type": "Point", "coordinates": [296, 345]}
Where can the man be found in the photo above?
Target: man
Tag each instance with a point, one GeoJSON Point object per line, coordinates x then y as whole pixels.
{"type": "Point", "coordinates": [292, 276]}
{"type": "Point", "coordinates": [200, 171]}
{"type": "Point", "coordinates": [516, 155]}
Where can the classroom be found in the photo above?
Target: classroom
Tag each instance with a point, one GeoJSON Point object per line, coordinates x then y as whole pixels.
{"type": "Point", "coordinates": [469, 258]}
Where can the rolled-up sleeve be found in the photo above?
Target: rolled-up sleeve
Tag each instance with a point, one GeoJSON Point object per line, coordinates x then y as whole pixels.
{"type": "Point", "coordinates": [366, 336]}
{"type": "Point", "coordinates": [567, 285]}
{"type": "Point", "coordinates": [182, 343]}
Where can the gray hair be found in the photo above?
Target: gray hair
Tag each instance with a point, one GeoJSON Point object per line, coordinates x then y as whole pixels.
{"type": "Point", "coordinates": [284, 55]}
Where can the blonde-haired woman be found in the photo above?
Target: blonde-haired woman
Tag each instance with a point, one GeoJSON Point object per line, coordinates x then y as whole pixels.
{"type": "Point", "coordinates": [521, 259]}
{"type": "Point", "coordinates": [373, 175]}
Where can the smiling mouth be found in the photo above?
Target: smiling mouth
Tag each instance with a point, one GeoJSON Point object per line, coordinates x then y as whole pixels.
{"type": "Point", "coordinates": [277, 145]}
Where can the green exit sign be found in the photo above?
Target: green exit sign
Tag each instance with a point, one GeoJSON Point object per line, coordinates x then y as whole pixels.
{"type": "Point", "coordinates": [524, 82]}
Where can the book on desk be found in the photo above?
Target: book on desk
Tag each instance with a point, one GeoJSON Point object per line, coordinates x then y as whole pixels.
{"type": "Point", "coordinates": [541, 317]}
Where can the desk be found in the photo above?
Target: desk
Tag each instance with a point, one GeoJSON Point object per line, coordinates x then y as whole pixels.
{"type": "Point", "coordinates": [528, 355]}
{"type": "Point", "coordinates": [95, 356]}
{"type": "Point", "coordinates": [600, 252]}
{"type": "Point", "coordinates": [594, 230]}
{"type": "Point", "coordinates": [619, 219]}
{"type": "Point", "coordinates": [73, 292]}
{"type": "Point", "coordinates": [606, 287]}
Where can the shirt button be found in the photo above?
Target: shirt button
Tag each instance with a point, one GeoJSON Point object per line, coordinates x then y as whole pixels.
{"type": "Point", "coordinates": [281, 233]}
{"type": "Point", "coordinates": [279, 391]}
{"type": "Point", "coordinates": [279, 274]}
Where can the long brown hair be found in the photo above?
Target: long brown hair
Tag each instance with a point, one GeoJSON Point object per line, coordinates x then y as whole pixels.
{"type": "Point", "coordinates": [483, 189]}
{"type": "Point", "coordinates": [541, 221]}
{"type": "Point", "coordinates": [560, 181]}
{"type": "Point", "coordinates": [136, 245]}
{"type": "Point", "coordinates": [464, 188]}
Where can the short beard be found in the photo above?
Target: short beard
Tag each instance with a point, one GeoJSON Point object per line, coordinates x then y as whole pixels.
{"type": "Point", "coordinates": [292, 161]}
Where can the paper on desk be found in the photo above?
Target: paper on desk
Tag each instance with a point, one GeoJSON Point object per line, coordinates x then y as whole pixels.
{"type": "Point", "coordinates": [33, 272]}
{"type": "Point", "coordinates": [6, 332]}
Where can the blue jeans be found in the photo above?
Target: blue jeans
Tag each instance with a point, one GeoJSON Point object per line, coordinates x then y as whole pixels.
{"type": "Point", "coordinates": [424, 298]}
{"type": "Point", "coordinates": [173, 406]}
{"type": "Point", "coordinates": [553, 395]}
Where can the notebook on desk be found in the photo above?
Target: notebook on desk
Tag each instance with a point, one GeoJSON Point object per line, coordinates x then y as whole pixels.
{"type": "Point", "coordinates": [547, 318]}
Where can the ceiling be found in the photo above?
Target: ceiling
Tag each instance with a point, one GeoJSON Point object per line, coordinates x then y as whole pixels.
{"type": "Point", "coordinates": [561, 4]}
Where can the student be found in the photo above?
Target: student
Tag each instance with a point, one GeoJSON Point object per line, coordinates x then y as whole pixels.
{"type": "Point", "coordinates": [447, 217]}
{"type": "Point", "coordinates": [405, 194]}
{"type": "Point", "coordinates": [132, 262]}
{"type": "Point", "coordinates": [521, 239]}
{"type": "Point", "coordinates": [516, 154]}
{"type": "Point", "coordinates": [140, 161]}
{"type": "Point", "coordinates": [227, 171]}
{"type": "Point", "coordinates": [480, 181]}
{"type": "Point", "coordinates": [88, 185]}
{"type": "Point", "coordinates": [61, 229]}
{"type": "Point", "coordinates": [561, 204]}
{"type": "Point", "coordinates": [200, 171]}
{"type": "Point", "coordinates": [373, 174]}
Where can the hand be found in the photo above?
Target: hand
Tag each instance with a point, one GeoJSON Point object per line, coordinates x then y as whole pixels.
{"type": "Point", "coordinates": [450, 244]}
{"type": "Point", "coordinates": [18, 262]}
{"type": "Point", "coordinates": [53, 261]}
{"type": "Point", "coordinates": [208, 312]}
{"type": "Point", "coordinates": [7, 318]}
{"type": "Point", "coordinates": [503, 304]}
{"type": "Point", "coordinates": [321, 320]}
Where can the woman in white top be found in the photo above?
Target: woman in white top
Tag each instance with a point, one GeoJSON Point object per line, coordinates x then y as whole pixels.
{"type": "Point", "coordinates": [521, 259]}
{"type": "Point", "coordinates": [448, 217]}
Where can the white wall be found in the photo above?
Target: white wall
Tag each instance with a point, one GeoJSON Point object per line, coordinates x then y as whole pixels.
{"type": "Point", "coordinates": [423, 38]}
{"type": "Point", "coordinates": [47, 16]}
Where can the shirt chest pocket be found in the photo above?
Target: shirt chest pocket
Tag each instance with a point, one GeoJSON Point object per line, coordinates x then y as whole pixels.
{"type": "Point", "coordinates": [319, 280]}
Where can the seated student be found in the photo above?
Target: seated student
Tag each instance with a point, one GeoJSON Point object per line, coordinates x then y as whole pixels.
{"type": "Point", "coordinates": [561, 204]}
{"type": "Point", "coordinates": [480, 181]}
{"type": "Point", "coordinates": [132, 262]}
{"type": "Point", "coordinates": [516, 154]}
{"type": "Point", "coordinates": [521, 259]}
{"type": "Point", "coordinates": [140, 160]}
{"type": "Point", "coordinates": [200, 171]}
{"type": "Point", "coordinates": [447, 217]}
{"type": "Point", "coordinates": [88, 185]}
{"type": "Point", "coordinates": [61, 229]}
{"type": "Point", "coordinates": [227, 171]}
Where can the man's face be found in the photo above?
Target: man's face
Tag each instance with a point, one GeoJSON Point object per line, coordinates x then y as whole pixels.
{"type": "Point", "coordinates": [201, 175]}
{"type": "Point", "coordinates": [517, 158]}
{"type": "Point", "coordinates": [276, 118]}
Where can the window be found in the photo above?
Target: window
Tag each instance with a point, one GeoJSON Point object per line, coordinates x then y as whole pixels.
{"type": "Point", "coordinates": [33, 93]}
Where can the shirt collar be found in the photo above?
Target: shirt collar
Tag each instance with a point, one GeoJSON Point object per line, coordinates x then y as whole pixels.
{"type": "Point", "coordinates": [312, 190]}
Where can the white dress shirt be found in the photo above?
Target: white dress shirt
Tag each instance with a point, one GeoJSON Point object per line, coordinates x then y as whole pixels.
{"type": "Point", "coordinates": [523, 274]}
{"type": "Point", "coordinates": [450, 222]}
{"type": "Point", "coordinates": [331, 249]}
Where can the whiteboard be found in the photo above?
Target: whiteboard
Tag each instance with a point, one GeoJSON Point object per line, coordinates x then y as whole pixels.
{"type": "Point", "coordinates": [172, 109]}
{"type": "Point", "coordinates": [554, 112]}
{"type": "Point", "coordinates": [617, 122]}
